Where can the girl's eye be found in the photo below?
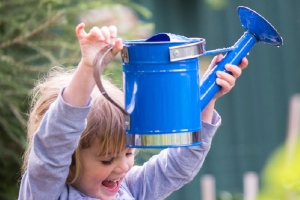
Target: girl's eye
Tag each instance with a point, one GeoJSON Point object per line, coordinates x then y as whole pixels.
{"type": "Point", "coordinates": [129, 153]}
{"type": "Point", "coordinates": [107, 162]}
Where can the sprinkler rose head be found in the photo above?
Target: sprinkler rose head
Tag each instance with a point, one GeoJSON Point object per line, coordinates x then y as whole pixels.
{"type": "Point", "coordinates": [259, 27]}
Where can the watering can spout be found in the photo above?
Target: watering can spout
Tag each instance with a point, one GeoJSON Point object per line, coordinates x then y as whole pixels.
{"type": "Point", "coordinates": [257, 29]}
{"type": "Point", "coordinates": [163, 92]}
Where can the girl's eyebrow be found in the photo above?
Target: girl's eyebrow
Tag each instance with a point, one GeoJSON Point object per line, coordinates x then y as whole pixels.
{"type": "Point", "coordinates": [96, 154]}
{"type": "Point", "coordinates": [109, 154]}
{"type": "Point", "coordinates": [105, 155]}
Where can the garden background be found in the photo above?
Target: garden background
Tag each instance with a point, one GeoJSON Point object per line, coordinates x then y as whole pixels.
{"type": "Point", "coordinates": [37, 35]}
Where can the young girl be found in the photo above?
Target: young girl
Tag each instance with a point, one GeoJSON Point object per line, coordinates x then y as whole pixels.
{"type": "Point", "coordinates": [77, 140]}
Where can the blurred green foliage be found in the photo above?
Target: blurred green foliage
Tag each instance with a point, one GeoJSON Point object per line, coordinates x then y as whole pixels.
{"type": "Point", "coordinates": [216, 4]}
{"type": "Point", "coordinates": [281, 175]}
{"type": "Point", "coordinates": [35, 36]}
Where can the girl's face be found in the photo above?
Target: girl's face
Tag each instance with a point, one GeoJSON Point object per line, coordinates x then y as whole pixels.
{"type": "Point", "coordinates": [101, 176]}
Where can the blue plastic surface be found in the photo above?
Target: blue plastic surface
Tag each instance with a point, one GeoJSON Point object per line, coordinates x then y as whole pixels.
{"type": "Point", "coordinates": [161, 96]}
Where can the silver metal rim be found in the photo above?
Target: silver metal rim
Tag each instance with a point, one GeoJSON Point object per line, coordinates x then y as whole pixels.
{"type": "Point", "coordinates": [187, 51]}
{"type": "Point", "coordinates": [163, 140]}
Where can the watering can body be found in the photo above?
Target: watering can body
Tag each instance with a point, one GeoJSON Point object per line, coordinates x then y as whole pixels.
{"type": "Point", "coordinates": [162, 97]}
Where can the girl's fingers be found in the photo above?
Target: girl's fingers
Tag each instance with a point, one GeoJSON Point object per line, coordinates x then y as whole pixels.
{"type": "Point", "coordinates": [225, 86]}
{"type": "Point", "coordinates": [219, 58]}
{"type": "Point", "coordinates": [113, 31]}
{"type": "Point", "coordinates": [106, 33]}
{"type": "Point", "coordinates": [96, 33]}
{"type": "Point", "coordinates": [225, 80]}
{"type": "Point", "coordinates": [80, 30]}
{"type": "Point", "coordinates": [215, 61]}
{"type": "Point", "coordinates": [244, 63]}
{"type": "Point", "coordinates": [235, 71]}
{"type": "Point", "coordinates": [117, 47]}
{"type": "Point", "coordinates": [226, 77]}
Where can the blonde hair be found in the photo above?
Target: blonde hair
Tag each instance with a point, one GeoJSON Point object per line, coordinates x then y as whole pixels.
{"type": "Point", "coordinates": [105, 122]}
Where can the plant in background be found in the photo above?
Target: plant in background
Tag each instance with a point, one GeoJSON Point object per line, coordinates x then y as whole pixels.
{"type": "Point", "coordinates": [35, 36]}
{"type": "Point", "coordinates": [281, 176]}
{"type": "Point", "coordinates": [216, 4]}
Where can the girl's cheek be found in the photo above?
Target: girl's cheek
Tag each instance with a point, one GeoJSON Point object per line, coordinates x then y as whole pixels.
{"type": "Point", "coordinates": [132, 162]}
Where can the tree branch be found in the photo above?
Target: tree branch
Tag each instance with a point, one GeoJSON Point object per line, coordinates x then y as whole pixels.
{"type": "Point", "coordinates": [34, 31]}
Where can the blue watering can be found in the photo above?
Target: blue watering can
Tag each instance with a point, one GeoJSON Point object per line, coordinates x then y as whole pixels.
{"type": "Point", "coordinates": [163, 93]}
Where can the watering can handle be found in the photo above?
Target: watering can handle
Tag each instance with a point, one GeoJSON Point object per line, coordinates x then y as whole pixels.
{"type": "Point", "coordinates": [100, 63]}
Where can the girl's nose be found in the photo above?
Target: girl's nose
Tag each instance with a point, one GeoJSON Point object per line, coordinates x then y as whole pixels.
{"type": "Point", "coordinates": [122, 166]}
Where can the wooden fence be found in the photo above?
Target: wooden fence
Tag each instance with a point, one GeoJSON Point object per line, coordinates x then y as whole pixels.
{"type": "Point", "coordinates": [251, 186]}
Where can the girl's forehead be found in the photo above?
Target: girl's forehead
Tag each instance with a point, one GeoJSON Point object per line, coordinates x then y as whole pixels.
{"type": "Point", "coordinates": [97, 150]}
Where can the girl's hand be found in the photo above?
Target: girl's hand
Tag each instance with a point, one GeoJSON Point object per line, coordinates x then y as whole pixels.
{"type": "Point", "coordinates": [225, 80]}
{"type": "Point", "coordinates": [79, 89]}
{"type": "Point", "coordinates": [95, 40]}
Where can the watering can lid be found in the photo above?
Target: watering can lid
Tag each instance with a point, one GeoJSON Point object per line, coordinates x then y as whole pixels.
{"type": "Point", "coordinates": [189, 47]}
{"type": "Point", "coordinates": [163, 37]}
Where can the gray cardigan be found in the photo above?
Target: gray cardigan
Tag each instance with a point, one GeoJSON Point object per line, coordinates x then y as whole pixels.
{"type": "Point", "coordinates": [57, 138]}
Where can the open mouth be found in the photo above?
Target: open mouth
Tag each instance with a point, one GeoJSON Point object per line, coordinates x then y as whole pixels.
{"type": "Point", "coordinates": [111, 184]}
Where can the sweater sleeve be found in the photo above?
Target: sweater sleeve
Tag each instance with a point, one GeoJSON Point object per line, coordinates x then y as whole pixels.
{"type": "Point", "coordinates": [171, 168]}
{"type": "Point", "coordinates": [53, 145]}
